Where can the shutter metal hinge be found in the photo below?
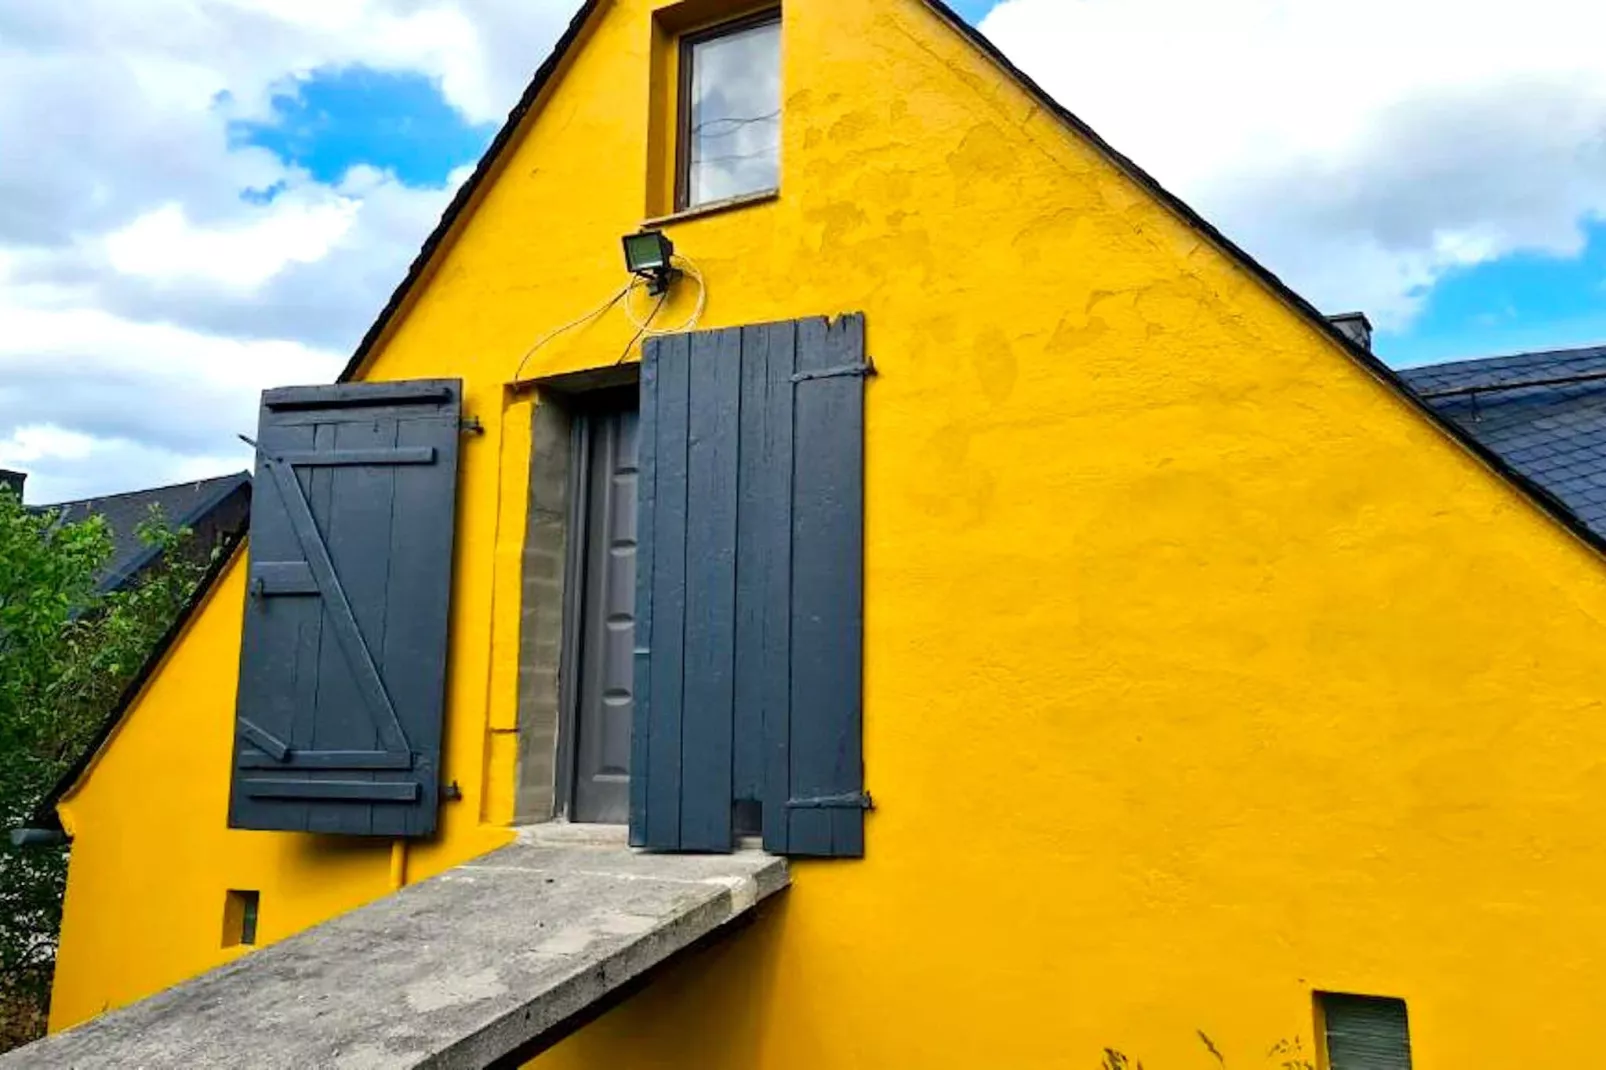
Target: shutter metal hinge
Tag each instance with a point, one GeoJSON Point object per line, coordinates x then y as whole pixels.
{"type": "Point", "coordinates": [859, 371]}
{"type": "Point", "coordinates": [853, 800]}
{"type": "Point", "coordinates": [470, 425]}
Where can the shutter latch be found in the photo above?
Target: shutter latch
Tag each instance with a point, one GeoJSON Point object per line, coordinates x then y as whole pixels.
{"type": "Point", "coordinates": [471, 425]}
{"type": "Point", "coordinates": [853, 800]}
{"type": "Point", "coordinates": [845, 371]}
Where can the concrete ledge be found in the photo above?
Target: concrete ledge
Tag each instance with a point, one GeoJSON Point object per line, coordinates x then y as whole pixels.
{"type": "Point", "coordinates": [488, 960]}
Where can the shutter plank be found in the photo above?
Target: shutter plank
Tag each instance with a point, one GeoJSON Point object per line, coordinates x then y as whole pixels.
{"type": "Point", "coordinates": [669, 594]}
{"type": "Point", "coordinates": [754, 552]}
{"type": "Point", "coordinates": [827, 590]}
{"type": "Point", "coordinates": [279, 644]}
{"type": "Point", "coordinates": [317, 486]}
{"type": "Point", "coordinates": [712, 456]}
{"type": "Point", "coordinates": [418, 606]}
{"type": "Point", "coordinates": [646, 497]}
{"type": "Point", "coordinates": [772, 528]}
{"type": "Point", "coordinates": [354, 561]}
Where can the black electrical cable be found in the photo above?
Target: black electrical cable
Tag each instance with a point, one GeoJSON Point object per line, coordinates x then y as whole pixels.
{"type": "Point", "coordinates": [643, 329]}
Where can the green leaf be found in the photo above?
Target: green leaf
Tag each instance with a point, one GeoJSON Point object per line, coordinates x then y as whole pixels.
{"type": "Point", "coordinates": [66, 654]}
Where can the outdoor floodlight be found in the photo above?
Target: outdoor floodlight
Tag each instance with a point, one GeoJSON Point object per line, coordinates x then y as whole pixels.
{"type": "Point", "coordinates": [648, 255]}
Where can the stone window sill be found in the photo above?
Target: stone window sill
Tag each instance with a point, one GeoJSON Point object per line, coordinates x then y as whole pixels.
{"type": "Point", "coordinates": [730, 204]}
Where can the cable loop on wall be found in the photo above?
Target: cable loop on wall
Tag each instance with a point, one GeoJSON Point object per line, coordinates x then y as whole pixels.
{"type": "Point", "coordinates": [692, 271]}
{"type": "Point", "coordinates": [643, 325]}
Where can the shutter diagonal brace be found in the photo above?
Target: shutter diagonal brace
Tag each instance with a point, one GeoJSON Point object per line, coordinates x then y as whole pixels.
{"type": "Point", "coordinates": [341, 618]}
{"type": "Point", "coordinates": [264, 740]}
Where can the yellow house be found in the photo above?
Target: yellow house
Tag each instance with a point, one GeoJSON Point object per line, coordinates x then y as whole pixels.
{"type": "Point", "coordinates": [1213, 693]}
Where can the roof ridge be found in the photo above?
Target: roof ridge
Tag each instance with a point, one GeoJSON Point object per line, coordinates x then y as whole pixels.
{"type": "Point", "coordinates": [1473, 363]}
{"type": "Point", "coordinates": [236, 476]}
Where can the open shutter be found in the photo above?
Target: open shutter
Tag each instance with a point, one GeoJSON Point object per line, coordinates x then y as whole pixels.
{"type": "Point", "coordinates": [750, 588]}
{"type": "Point", "coordinates": [343, 656]}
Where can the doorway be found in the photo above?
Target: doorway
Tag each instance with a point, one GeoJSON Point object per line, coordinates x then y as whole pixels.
{"type": "Point", "coordinates": [600, 651]}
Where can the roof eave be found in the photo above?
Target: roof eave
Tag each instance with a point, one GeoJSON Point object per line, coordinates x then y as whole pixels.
{"type": "Point", "coordinates": [466, 193]}
{"type": "Point", "coordinates": [1364, 357]}
{"type": "Point", "coordinates": [226, 489]}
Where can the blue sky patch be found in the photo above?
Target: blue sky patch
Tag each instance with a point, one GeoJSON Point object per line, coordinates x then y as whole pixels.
{"type": "Point", "coordinates": [400, 122]}
{"type": "Point", "coordinates": [357, 115]}
{"type": "Point", "coordinates": [972, 10]}
{"type": "Point", "coordinates": [1512, 305]}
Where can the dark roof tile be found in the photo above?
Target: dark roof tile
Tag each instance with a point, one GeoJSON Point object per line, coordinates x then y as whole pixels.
{"type": "Point", "coordinates": [1553, 432]}
{"type": "Point", "coordinates": [182, 504]}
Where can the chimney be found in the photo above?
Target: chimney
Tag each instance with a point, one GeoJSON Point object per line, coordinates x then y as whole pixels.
{"type": "Point", "coordinates": [1356, 326]}
{"type": "Point", "coordinates": [13, 481]}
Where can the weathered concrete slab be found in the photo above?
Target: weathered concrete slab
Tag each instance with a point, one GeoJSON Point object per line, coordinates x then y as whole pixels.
{"type": "Point", "coordinates": [482, 962]}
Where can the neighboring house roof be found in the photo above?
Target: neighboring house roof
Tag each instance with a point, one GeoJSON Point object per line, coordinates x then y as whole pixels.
{"type": "Point", "coordinates": [1543, 413]}
{"type": "Point", "coordinates": [488, 165]}
{"type": "Point", "coordinates": [181, 505]}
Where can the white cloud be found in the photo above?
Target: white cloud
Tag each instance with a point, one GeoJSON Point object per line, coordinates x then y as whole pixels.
{"type": "Point", "coordinates": [36, 442]}
{"type": "Point", "coordinates": [1361, 150]}
{"type": "Point", "coordinates": [64, 466]}
{"type": "Point", "coordinates": [120, 404]}
{"type": "Point", "coordinates": [146, 302]}
{"type": "Point", "coordinates": [164, 245]}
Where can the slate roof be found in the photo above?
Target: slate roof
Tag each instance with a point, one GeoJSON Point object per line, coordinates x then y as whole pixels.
{"type": "Point", "coordinates": [182, 504]}
{"type": "Point", "coordinates": [1543, 413]}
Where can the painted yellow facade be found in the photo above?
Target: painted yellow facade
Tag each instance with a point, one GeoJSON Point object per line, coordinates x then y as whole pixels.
{"type": "Point", "coordinates": [1202, 671]}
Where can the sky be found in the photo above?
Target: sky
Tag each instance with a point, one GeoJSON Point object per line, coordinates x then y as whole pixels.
{"type": "Point", "coordinates": [203, 198]}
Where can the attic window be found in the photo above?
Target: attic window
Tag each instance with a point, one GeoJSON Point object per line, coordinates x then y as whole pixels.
{"type": "Point", "coordinates": [730, 111]}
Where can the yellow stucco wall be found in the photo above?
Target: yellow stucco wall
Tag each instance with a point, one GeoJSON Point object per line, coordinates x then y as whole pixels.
{"type": "Point", "coordinates": [1201, 671]}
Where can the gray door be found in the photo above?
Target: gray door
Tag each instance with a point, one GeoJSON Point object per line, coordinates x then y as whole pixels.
{"type": "Point", "coordinates": [607, 622]}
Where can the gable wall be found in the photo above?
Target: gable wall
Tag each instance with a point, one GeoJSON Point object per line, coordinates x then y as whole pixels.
{"type": "Point", "coordinates": [1200, 670]}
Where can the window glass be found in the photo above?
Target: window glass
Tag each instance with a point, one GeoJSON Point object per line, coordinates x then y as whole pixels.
{"type": "Point", "coordinates": [733, 115]}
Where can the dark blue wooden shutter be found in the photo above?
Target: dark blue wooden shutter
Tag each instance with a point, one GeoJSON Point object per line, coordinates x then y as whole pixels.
{"type": "Point", "coordinates": [750, 588]}
{"type": "Point", "coordinates": [343, 656]}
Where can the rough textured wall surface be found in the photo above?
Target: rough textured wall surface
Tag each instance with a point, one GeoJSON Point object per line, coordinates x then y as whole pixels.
{"type": "Point", "coordinates": [1200, 671]}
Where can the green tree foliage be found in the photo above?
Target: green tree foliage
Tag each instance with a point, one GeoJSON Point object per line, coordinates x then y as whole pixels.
{"type": "Point", "coordinates": [66, 654]}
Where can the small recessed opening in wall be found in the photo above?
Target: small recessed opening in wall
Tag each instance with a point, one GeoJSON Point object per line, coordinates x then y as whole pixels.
{"type": "Point", "coordinates": [240, 917]}
{"type": "Point", "coordinates": [1363, 1032]}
